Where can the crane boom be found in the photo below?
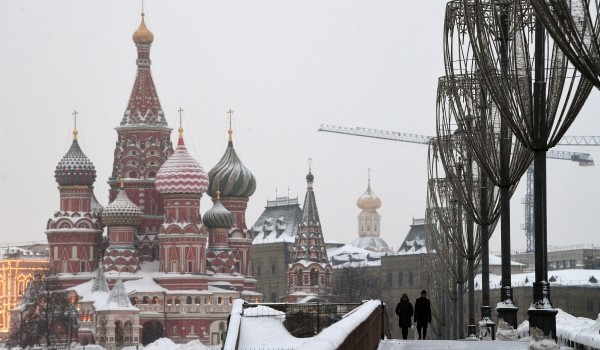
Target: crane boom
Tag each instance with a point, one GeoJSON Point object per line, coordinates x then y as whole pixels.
{"type": "Point", "coordinates": [424, 139]}
{"type": "Point", "coordinates": [377, 134]}
{"type": "Point", "coordinates": [584, 159]}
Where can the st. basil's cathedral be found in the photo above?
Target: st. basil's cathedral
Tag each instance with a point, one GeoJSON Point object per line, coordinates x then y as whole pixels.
{"type": "Point", "coordinates": [173, 273]}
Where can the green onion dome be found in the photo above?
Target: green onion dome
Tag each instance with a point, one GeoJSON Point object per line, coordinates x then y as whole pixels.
{"type": "Point", "coordinates": [218, 216]}
{"type": "Point", "coordinates": [231, 177]}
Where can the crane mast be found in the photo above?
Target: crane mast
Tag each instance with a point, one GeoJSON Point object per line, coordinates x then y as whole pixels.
{"type": "Point", "coordinates": [583, 159]}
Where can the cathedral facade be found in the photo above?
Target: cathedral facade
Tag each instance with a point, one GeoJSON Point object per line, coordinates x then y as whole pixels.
{"type": "Point", "coordinates": [161, 269]}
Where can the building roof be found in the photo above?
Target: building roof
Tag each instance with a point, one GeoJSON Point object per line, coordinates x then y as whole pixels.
{"type": "Point", "coordinates": [414, 242]}
{"type": "Point", "coordinates": [278, 222]}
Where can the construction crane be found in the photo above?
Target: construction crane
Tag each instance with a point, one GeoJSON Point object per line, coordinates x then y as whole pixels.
{"type": "Point", "coordinates": [583, 159]}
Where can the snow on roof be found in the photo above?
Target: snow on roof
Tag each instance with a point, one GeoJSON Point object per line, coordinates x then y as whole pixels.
{"type": "Point", "coordinates": [497, 261]}
{"type": "Point", "coordinates": [118, 299]}
{"type": "Point", "coordinates": [144, 284]}
{"type": "Point", "coordinates": [575, 277]}
{"type": "Point", "coordinates": [352, 256]}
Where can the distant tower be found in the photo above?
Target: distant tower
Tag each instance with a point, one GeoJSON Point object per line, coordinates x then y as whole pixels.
{"type": "Point", "coordinates": [75, 232]}
{"type": "Point", "coordinates": [143, 145]}
{"type": "Point", "coordinates": [236, 184]}
{"type": "Point", "coordinates": [369, 222]}
{"type": "Point", "coordinates": [311, 271]}
{"type": "Point", "coordinates": [121, 217]}
{"type": "Point", "coordinates": [182, 240]}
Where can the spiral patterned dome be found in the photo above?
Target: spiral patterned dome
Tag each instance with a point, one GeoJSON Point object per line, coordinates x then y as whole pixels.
{"type": "Point", "coordinates": [218, 217]}
{"type": "Point", "coordinates": [121, 212]}
{"type": "Point", "coordinates": [75, 168]}
{"type": "Point", "coordinates": [368, 201]}
{"type": "Point", "coordinates": [181, 173]}
{"type": "Point", "coordinates": [142, 35]}
{"type": "Point", "coordinates": [231, 177]}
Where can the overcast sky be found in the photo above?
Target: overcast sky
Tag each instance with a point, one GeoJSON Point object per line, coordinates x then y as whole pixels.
{"type": "Point", "coordinates": [284, 67]}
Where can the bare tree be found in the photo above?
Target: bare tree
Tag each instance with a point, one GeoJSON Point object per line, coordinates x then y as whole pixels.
{"type": "Point", "coordinates": [354, 284]}
{"type": "Point", "coordinates": [45, 312]}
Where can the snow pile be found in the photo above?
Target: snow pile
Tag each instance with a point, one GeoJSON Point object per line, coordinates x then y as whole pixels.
{"type": "Point", "coordinates": [506, 332]}
{"type": "Point", "coordinates": [578, 329]}
{"type": "Point", "coordinates": [193, 345]}
{"type": "Point", "coordinates": [162, 344]}
{"type": "Point", "coordinates": [269, 332]}
{"type": "Point", "coordinates": [266, 311]}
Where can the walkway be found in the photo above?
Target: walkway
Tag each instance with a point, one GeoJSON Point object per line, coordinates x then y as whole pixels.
{"type": "Point", "coordinates": [395, 344]}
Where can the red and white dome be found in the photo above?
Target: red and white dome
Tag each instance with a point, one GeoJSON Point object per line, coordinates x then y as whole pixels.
{"type": "Point", "coordinates": [181, 173]}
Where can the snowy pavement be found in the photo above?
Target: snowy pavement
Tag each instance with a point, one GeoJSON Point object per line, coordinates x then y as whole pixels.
{"type": "Point", "coordinates": [395, 344]}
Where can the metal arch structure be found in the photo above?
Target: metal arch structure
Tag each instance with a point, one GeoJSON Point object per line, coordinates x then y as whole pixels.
{"type": "Point", "coordinates": [583, 159]}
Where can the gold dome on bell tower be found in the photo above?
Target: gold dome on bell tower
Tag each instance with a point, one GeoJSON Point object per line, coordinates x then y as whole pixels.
{"type": "Point", "coordinates": [142, 35]}
{"type": "Point", "coordinates": [368, 201]}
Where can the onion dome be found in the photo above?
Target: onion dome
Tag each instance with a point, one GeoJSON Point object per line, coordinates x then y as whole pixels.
{"type": "Point", "coordinates": [75, 168]}
{"type": "Point", "coordinates": [142, 35]}
{"type": "Point", "coordinates": [218, 216]}
{"type": "Point", "coordinates": [230, 176]}
{"type": "Point", "coordinates": [121, 212]}
{"type": "Point", "coordinates": [181, 173]}
{"type": "Point", "coordinates": [368, 201]}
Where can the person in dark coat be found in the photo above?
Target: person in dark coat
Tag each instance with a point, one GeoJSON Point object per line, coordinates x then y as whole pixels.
{"type": "Point", "coordinates": [404, 310]}
{"type": "Point", "coordinates": [422, 313]}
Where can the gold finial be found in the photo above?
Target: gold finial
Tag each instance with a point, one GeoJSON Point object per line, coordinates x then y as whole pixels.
{"type": "Point", "coordinates": [369, 176]}
{"type": "Point", "coordinates": [230, 131]}
{"type": "Point", "coordinates": [75, 125]}
{"type": "Point", "coordinates": [218, 195]}
{"type": "Point", "coordinates": [142, 8]}
{"type": "Point", "coordinates": [180, 110]}
{"type": "Point", "coordinates": [309, 165]}
{"type": "Point", "coordinates": [122, 182]}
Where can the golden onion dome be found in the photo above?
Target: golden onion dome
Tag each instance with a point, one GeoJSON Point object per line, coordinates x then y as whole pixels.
{"type": "Point", "coordinates": [142, 35]}
{"type": "Point", "coordinates": [368, 201]}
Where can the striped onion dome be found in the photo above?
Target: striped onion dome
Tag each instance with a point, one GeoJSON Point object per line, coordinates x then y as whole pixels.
{"type": "Point", "coordinates": [75, 168]}
{"type": "Point", "coordinates": [121, 212]}
{"type": "Point", "coordinates": [181, 173]}
{"type": "Point", "coordinates": [218, 216]}
{"type": "Point", "coordinates": [231, 177]}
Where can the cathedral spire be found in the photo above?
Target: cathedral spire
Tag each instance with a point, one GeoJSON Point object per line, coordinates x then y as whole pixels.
{"type": "Point", "coordinates": [144, 106]}
{"type": "Point", "coordinates": [310, 214]}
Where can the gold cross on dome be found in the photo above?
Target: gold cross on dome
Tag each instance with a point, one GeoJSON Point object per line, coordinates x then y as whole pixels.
{"type": "Point", "coordinates": [180, 110]}
{"type": "Point", "coordinates": [75, 124]}
{"type": "Point", "coordinates": [230, 131]}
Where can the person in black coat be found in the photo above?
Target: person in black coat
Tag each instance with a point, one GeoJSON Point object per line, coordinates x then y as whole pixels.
{"type": "Point", "coordinates": [422, 313]}
{"type": "Point", "coordinates": [404, 310]}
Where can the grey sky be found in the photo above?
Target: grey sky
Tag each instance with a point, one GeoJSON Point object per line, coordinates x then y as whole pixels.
{"type": "Point", "coordinates": [284, 67]}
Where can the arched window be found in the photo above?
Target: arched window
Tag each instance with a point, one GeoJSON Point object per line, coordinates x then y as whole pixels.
{"type": "Point", "coordinates": [314, 277]}
{"type": "Point", "coordinates": [188, 300]}
{"type": "Point", "coordinates": [197, 300]}
{"type": "Point", "coordinates": [155, 300]}
{"type": "Point", "coordinates": [145, 299]}
{"type": "Point", "coordinates": [177, 301]}
{"type": "Point", "coordinates": [298, 276]}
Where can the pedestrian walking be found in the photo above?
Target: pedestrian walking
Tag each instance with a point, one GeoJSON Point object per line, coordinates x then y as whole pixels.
{"type": "Point", "coordinates": [404, 310]}
{"type": "Point", "coordinates": [422, 314]}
